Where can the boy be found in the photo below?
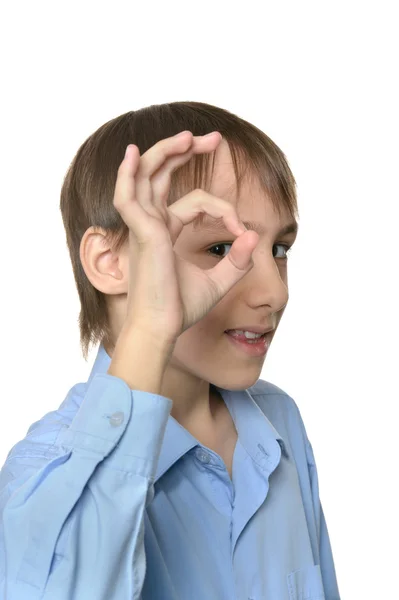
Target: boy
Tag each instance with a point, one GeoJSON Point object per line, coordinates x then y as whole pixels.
{"type": "Point", "coordinates": [174, 472]}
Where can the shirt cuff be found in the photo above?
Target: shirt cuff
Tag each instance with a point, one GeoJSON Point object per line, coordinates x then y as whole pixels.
{"type": "Point", "coordinates": [125, 426]}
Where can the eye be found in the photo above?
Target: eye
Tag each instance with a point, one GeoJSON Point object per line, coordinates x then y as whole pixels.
{"type": "Point", "coordinates": [286, 248]}
{"type": "Point", "coordinates": [221, 244]}
{"type": "Point", "coordinates": [218, 247]}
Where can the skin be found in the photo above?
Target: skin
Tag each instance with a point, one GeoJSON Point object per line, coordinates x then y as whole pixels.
{"type": "Point", "coordinates": [203, 353]}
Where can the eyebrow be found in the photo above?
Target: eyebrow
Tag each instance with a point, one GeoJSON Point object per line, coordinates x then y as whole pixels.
{"type": "Point", "coordinates": [218, 225]}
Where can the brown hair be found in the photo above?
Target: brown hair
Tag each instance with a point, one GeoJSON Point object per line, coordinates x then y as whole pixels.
{"type": "Point", "coordinates": [88, 187]}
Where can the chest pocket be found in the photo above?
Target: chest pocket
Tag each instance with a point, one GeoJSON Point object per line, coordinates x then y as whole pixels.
{"type": "Point", "coordinates": [306, 584]}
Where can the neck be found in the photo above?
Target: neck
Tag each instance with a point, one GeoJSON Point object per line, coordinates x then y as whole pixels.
{"type": "Point", "coordinates": [196, 404]}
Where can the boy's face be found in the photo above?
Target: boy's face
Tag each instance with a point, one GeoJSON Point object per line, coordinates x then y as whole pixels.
{"type": "Point", "coordinates": [204, 351]}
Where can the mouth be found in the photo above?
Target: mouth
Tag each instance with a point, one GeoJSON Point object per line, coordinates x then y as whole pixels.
{"type": "Point", "coordinates": [253, 347]}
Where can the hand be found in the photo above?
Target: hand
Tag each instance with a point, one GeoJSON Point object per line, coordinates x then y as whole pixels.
{"type": "Point", "coordinates": [168, 294]}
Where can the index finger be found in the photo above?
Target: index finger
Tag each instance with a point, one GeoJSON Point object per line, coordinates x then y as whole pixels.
{"type": "Point", "coordinates": [161, 179]}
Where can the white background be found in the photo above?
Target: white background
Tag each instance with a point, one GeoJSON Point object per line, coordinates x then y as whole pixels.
{"type": "Point", "coordinates": [320, 78]}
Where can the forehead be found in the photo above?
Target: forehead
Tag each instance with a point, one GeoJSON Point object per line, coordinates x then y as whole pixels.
{"type": "Point", "coordinates": [253, 202]}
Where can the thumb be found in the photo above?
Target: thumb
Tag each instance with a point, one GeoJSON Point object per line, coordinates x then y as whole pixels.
{"type": "Point", "coordinates": [236, 264]}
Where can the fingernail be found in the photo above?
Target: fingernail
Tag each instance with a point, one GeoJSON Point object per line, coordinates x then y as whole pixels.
{"type": "Point", "coordinates": [127, 151]}
{"type": "Point", "coordinates": [209, 134]}
{"type": "Point", "coordinates": [181, 133]}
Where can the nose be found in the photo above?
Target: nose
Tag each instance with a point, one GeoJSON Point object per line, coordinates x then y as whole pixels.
{"type": "Point", "coordinates": [267, 281]}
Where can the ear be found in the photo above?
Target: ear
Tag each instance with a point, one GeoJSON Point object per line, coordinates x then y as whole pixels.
{"type": "Point", "coordinates": [106, 270]}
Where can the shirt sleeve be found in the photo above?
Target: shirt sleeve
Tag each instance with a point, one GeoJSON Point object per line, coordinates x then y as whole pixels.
{"type": "Point", "coordinates": [327, 567]}
{"type": "Point", "coordinates": [72, 512]}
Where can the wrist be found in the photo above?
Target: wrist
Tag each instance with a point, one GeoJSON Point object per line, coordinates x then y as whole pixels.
{"type": "Point", "coordinates": [155, 336]}
{"type": "Point", "coordinates": [140, 358]}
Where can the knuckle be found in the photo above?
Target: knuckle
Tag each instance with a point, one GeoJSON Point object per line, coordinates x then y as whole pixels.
{"type": "Point", "coordinates": [200, 193]}
{"type": "Point", "coordinates": [231, 208]}
{"type": "Point", "coordinates": [161, 147]}
{"type": "Point", "coordinates": [164, 142]}
{"type": "Point", "coordinates": [121, 168]}
{"type": "Point", "coordinates": [117, 201]}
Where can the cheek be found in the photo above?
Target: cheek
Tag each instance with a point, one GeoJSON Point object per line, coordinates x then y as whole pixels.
{"type": "Point", "coordinates": [202, 334]}
{"type": "Point", "coordinates": [193, 346]}
{"type": "Point", "coordinates": [213, 324]}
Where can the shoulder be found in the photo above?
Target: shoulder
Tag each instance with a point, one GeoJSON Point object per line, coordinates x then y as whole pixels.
{"type": "Point", "coordinates": [273, 400]}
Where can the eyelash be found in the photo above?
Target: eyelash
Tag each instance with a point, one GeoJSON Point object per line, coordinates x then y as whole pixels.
{"type": "Point", "coordinates": [287, 249]}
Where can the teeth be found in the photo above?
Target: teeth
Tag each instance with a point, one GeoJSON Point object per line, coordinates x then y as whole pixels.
{"type": "Point", "coordinates": [249, 334]}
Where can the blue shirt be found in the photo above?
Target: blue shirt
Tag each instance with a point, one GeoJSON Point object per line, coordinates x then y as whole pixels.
{"type": "Point", "coordinates": [110, 498]}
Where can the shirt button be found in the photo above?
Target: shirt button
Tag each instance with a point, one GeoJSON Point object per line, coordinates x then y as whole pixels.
{"type": "Point", "coordinates": [117, 419]}
{"type": "Point", "coordinates": [203, 456]}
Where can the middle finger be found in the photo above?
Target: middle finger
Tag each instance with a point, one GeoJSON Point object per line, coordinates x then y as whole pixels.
{"type": "Point", "coordinates": [155, 156]}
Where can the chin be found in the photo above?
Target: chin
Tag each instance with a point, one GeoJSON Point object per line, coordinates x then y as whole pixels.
{"type": "Point", "coordinates": [237, 384]}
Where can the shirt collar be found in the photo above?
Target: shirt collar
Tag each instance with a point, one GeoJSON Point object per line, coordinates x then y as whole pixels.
{"type": "Point", "coordinates": [254, 429]}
